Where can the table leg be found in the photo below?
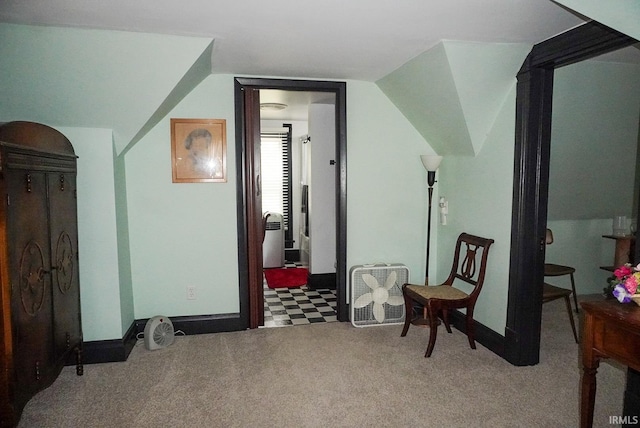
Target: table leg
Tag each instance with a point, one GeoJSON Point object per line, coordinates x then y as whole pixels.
{"type": "Point", "coordinates": [588, 396]}
{"type": "Point", "coordinates": [590, 363]}
{"type": "Point", "coordinates": [631, 406]}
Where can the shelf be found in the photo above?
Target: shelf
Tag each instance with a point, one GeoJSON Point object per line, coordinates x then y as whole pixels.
{"type": "Point", "coordinates": [624, 237]}
{"type": "Point", "coordinates": [625, 247]}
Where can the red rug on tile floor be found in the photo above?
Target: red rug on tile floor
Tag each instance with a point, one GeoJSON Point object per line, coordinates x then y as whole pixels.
{"type": "Point", "coordinates": [285, 277]}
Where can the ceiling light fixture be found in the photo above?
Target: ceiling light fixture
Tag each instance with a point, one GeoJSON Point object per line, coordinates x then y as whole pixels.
{"type": "Point", "coordinates": [273, 106]}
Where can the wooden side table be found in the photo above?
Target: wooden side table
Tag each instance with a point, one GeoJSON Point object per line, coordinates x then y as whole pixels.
{"type": "Point", "coordinates": [611, 330]}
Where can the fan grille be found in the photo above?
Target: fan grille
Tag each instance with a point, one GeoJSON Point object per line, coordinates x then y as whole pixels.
{"type": "Point", "coordinates": [163, 334]}
{"type": "Point", "coordinates": [385, 297]}
{"type": "Point", "coordinates": [158, 333]}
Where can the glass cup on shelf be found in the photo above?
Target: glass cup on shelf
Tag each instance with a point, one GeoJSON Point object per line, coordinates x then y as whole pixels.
{"type": "Point", "coordinates": [619, 225]}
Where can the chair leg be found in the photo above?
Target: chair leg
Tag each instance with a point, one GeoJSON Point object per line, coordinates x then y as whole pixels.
{"type": "Point", "coordinates": [433, 333]}
{"type": "Point", "coordinates": [570, 312]}
{"type": "Point", "coordinates": [408, 313]}
{"type": "Point", "coordinates": [575, 295]}
{"type": "Point", "coordinates": [470, 329]}
{"type": "Point", "coordinates": [445, 318]}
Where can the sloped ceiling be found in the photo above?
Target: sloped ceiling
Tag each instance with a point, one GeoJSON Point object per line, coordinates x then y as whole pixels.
{"type": "Point", "coordinates": [424, 91]}
{"type": "Point", "coordinates": [600, 135]}
{"type": "Point", "coordinates": [330, 39]}
{"type": "Point", "coordinates": [452, 93]}
{"type": "Point", "coordinates": [196, 74]}
{"type": "Point", "coordinates": [622, 15]}
{"type": "Point", "coordinates": [128, 77]}
{"type": "Point", "coordinates": [133, 75]}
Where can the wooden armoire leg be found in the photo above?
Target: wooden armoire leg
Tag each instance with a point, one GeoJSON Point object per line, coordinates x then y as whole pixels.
{"type": "Point", "coordinates": [79, 366]}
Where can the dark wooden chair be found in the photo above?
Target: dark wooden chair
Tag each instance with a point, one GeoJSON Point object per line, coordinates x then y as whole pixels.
{"type": "Point", "coordinates": [551, 269]}
{"type": "Point", "coordinates": [551, 292]}
{"type": "Point", "coordinates": [468, 268]}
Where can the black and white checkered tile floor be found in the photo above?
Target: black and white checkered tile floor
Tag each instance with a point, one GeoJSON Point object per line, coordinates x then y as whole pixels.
{"type": "Point", "coordinates": [298, 306]}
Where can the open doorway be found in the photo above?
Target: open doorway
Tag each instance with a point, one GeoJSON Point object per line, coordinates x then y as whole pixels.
{"type": "Point", "coordinates": [249, 190]}
{"type": "Point", "coordinates": [298, 206]}
{"type": "Point", "coordinates": [531, 178]}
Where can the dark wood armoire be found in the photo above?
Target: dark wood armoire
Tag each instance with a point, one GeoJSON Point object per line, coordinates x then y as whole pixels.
{"type": "Point", "coordinates": [39, 284]}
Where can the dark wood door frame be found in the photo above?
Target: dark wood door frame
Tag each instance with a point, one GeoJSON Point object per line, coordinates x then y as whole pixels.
{"type": "Point", "coordinates": [531, 178]}
{"type": "Point", "coordinates": [248, 187]}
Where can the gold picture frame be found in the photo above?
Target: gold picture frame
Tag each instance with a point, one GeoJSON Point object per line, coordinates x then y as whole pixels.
{"type": "Point", "coordinates": [199, 150]}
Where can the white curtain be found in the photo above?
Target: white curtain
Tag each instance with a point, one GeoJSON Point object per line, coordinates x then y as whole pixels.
{"type": "Point", "coordinates": [272, 174]}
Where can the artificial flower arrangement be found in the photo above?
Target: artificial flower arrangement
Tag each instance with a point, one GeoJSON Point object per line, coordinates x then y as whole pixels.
{"type": "Point", "coordinates": [623, 285]}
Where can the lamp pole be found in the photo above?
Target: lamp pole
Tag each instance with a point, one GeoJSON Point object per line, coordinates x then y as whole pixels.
{"type": "Point", "coordinates": [431, 164]}
{"type": "Point", "coordinates": [431, 179]}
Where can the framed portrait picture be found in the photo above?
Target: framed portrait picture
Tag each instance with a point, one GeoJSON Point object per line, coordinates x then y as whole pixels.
{"type": "Point", "coordinates": [199, 150]}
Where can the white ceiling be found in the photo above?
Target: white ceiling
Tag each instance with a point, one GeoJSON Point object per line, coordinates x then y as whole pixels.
{"type": "Point", "coordinates": [329, 39]}
{"type": "Point", "coordinates": [297, 103]}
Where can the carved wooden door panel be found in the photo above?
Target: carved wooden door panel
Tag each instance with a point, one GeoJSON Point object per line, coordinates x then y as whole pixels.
{"type": "Point", "coordinates": [30, 277]}
{"type": "Point", "coordinates": [64, 260]}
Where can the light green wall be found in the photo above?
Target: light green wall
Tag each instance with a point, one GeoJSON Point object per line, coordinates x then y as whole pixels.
{"type": "Point", "coordinates": [96, 87]}
{"type": "Point", "coordinates": [452, 93]}
{"type": "Point", "coordinates": [124, 245]}
{"type": "Point", "coordinates": [624, 16]}
{"type": "Point", "coordinates": [387, 191]}
{"type": "Point", "coordinates": [483, 74]}
{"type": "Point", "coordinates": [594, 139]}
{"type": "Point", "coordinates": [91, 78]}
{"type": "Point", "coordinates": [479, 190]}
{"type": "Point", "coordinates": [383, 167]}
{"type": "Point", "coordinates": [579, 243]}
{"type": "Point", "coordinates": [99, 271]}
{"type": "Point", "coordinates": [185, 234]}
{"type": "Point", "coordinates": [143, 239]}
{"type": "Point", "coordinates": [596, 110]}
{"type": "Point", "coordinates": [425, 92]}
{"type": "Point", "coordinates": [462, 100]}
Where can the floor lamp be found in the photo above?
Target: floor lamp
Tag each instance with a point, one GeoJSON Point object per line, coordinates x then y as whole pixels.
{"type": "Point", "coordinates": [431, 164]}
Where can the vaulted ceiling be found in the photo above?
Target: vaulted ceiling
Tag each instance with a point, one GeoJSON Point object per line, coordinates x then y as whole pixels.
{"type": "Point", "coordinates": [172, 46]}
{"type": "Point", "coordinates": [330, 39]}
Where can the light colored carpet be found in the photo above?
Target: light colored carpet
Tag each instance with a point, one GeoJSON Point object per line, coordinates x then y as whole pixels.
{"type": "Point", "coordinates": [330, 375]}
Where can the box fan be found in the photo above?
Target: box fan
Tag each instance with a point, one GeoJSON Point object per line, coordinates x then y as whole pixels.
{"type": "Point", "coordinates": [376, 294]}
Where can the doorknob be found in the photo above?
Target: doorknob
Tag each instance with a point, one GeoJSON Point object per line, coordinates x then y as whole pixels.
{"type": "Point", "coordinates": [258, 184]}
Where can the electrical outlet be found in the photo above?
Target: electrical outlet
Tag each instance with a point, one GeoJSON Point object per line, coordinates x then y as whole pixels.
{"type": "Point", "coordinates": [191, 292]}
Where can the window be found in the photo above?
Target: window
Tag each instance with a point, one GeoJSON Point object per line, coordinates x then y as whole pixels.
{"type": "Point", "coordinates": [275, 156]}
